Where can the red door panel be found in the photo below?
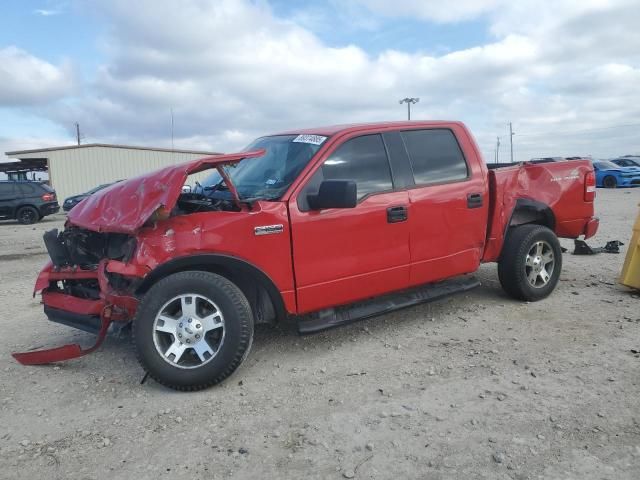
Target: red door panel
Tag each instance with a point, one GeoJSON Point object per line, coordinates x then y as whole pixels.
{"type": "Point", "coordinates": [345, 255]}
{"type": "Point", "coordinates": [448, 213]}
{"type": "Point", "coordinates": [446, 236]}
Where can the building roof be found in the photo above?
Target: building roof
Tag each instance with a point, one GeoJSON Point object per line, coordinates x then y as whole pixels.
{"type": "Point", "coordinates": [17, 153]}
{"type": "Point", "coordinates": [28, 165]}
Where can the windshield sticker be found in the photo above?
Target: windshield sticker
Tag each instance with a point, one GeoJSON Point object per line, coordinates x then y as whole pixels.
{"type": "Point", "coordinates": [312, 139]}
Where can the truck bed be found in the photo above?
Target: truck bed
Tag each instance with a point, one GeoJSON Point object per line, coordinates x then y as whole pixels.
{"type": "Point", "coordinates": [553, 191]}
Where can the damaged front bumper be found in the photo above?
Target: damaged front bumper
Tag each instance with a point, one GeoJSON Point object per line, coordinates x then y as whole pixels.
{"type": "Point", "coordinates": [60, 288]}
{"type": "Point", "coordinates": [88, 298]}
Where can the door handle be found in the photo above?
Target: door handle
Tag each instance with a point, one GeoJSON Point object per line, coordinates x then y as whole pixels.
{"type": "Point", "coordinates": [474, 200]}
{"type": "Point", "coordinates": [397, 214]}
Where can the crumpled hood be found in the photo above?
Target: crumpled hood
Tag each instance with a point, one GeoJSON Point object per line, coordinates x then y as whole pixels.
{"type": "Point", "coordinates": [126, 206]}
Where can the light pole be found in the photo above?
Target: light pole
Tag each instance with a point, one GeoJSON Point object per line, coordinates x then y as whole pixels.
{"type": "Point", "coordinates": [409, 101]}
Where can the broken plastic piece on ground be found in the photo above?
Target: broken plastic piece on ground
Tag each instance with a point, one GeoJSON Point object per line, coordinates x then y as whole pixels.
{"type": "Point", "coordinates": [66, 352]}
{"type": "Point", "coordinates": [581, 248]}
{"type": "Point", "coordinates": [613, 246]}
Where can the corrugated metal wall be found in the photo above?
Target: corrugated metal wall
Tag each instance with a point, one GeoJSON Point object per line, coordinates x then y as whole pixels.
{"type": "Point", "coordinates": [77, 170]}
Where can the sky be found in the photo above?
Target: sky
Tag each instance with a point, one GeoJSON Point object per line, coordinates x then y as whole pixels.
{"type": "Point", "coordinates": [565, 73]}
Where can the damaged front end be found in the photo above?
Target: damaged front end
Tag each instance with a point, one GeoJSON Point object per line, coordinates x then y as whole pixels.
{"type": "Point", "coordinates": [87, 284]}
{"type": "Point", "coordinates": [92, 276]}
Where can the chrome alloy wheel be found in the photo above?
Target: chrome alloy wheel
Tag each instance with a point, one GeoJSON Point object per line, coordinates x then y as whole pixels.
{"type": "Point", "coordinates": [189, 331]}
{"type": "Point", "coordinates": [539, 264]}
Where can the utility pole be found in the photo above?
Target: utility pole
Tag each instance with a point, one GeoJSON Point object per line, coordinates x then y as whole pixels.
{"type": "Point", "coordinates": [511, 134]}
{"type": "Point", "coordinates": [171, 128]}
{"type": "Point", "coordinates": [497, 149]}
{"type": "Point", "coordinates": [78, 133]}
{"type": "Point", "coordinates": [409, 101]}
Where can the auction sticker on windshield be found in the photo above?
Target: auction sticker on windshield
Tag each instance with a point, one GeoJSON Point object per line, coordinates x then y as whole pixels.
{"type": "Point", "coordinates": [312, 139]}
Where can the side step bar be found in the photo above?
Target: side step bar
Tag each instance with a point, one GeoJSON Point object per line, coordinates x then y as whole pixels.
{"type": "Point", "coordinates": [333, 317]}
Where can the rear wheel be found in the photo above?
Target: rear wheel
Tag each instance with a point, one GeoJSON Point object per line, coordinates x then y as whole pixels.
{"type": "Point", "coordinates": [27, 215]}
{"type": "Point", "coordinates": [531, 261]}
{"type": "Point", "coordinates": [610, 182]}
{"type": "Point", "coordinates": [192, 330]}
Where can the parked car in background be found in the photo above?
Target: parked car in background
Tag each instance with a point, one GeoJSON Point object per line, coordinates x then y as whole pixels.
{"type": "Point", "coordinates": [27, 202]}
{"type": "Point", "coordinates": [71, 202]}
{"type": "Point", "coordinates": [627, 161]}
{"type": "Point", "coordinates": [610, 175]}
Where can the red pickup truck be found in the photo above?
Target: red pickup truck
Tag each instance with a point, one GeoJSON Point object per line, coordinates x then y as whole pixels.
{"type": "Point", "coordinates": [325, 225]}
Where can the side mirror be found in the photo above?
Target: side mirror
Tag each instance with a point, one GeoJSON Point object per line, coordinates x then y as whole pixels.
{"type": "Point", "coordinates": [334, 194]}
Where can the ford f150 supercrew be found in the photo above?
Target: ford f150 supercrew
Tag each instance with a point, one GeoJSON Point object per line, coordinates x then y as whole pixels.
{"type": "Point", "coordinates": [325, 225]}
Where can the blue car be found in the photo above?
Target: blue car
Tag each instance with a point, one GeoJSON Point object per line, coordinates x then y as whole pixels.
{"type": "Point", "coordinates": [610, 175]}
{"type": "Point", "coordinates": [627, 161]}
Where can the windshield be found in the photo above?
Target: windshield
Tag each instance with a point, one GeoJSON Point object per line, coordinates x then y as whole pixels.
{"type": "Point", "coordinates": [269, 176]}
{"type": "Point", "coordinates": [605, 165]}
{"type": "Point", "coordinates": [97, 189]}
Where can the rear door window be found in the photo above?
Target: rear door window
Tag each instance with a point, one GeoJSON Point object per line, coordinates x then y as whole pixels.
{"type": "Point", "coordinates": [435, 156]}
{"type": "Point", "coordinates": [27, 189]}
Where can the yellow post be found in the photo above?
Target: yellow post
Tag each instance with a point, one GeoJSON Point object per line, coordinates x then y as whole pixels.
{"type": "Point", "coordinates": [630, 275]}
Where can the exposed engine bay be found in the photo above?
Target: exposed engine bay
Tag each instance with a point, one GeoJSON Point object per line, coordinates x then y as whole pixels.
{"type": "Point", "coordinates": [198, 202]}
{"type": "Point", "coordinates": [79, 247]}
{"type": "Point", "coordinates": [84, 248]}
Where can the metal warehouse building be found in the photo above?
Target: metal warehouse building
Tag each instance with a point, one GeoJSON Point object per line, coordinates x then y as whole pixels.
{"type": "Point", "coordinates": [78, 168]}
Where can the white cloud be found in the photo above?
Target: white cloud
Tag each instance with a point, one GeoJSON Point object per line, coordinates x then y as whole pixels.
{"type": "Point", "coordinates": [231, 70]}
{"type": "Point", "coordinates": [46, 13]}
{"type": "Point", "coordinates": [434, 10]}
{"type": "Point", "coordinates": [28, 80]}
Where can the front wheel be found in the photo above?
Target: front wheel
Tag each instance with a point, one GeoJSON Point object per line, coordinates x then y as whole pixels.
{"type": "Point", "coordinates": [192, 330]}
{"type": "Point", "coordinates": [531, 261]}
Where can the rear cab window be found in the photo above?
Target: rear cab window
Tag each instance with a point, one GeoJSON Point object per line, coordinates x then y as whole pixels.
{"type": "Point", "coordinates": [435, 156]}
{"type": "Point", "coordinates": [361, 159]}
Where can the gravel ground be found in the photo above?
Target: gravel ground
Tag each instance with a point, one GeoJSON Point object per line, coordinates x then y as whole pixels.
{"type": "Point", "coordinates": [473, 386]}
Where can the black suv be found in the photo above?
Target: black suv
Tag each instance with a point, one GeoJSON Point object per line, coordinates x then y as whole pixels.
{"type": "Point", "coordinates": [27, 202]}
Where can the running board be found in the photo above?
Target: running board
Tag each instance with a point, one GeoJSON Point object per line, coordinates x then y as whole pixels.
{"type": "Point", "coordinates": [333, 317]}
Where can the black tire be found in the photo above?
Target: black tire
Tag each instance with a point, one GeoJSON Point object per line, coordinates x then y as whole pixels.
{"type": "Point", "coordinates": [514, 269]}
{"type": "Point", "coordinates": [609, 182]}
{"type": "Point", "coordinates": [234, 345]}
{"type": "Point", "coordinates": [27, 215]}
